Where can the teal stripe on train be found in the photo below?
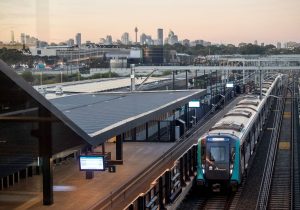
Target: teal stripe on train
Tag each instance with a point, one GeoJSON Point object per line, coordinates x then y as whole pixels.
{"type": "Point", "coordinates": [200, 175]}
{"type": "Point", "coordinates": [236, 167]}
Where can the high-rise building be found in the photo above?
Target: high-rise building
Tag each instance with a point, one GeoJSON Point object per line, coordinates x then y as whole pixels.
{"type": "Point", "coordinates": [125, 38]}
{"type": "Point", "coordinates": [172, 38]}
{"type": "Point", "coordinates": [108, 40]}
{"type": "Point", "coordinates": [255, 42]}
{"type": "Point", "coordinates": [27, 38]}
{"type": "Point", "coordinates": [146, 39]}
{"type": "Point", "coordinates": [160, 36]}
{"type": "Point", "coordinates": [22, 38]}
{"type": "Point", "coordinates": [143, 39]}
{"type": "Point", "coordinates": [78, 39]}
{"type": "Point", "coordinates": [12, 37]}
{"type": "Point", "coordinates": [136, 31]}
{"type": "Point", "coordinates": [278, 45]}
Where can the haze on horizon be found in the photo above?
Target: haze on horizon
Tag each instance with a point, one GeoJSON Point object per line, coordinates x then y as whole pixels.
{"type": "Point", "coordinates": [218, 21]}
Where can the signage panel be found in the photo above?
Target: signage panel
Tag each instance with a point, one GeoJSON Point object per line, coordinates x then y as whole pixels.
{"type": "Point", "coordinates": [91, 163]}
{"type": "Point", "coordinates": [229, 85]}
{"type": "Point", "coordinates": [194, 104]}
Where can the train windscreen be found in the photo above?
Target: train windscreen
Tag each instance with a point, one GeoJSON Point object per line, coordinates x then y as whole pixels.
{"type": "Point", "coordinates": [217, 153]}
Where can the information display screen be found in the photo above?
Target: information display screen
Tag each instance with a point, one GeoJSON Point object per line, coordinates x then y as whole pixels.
{"type": "Point", "coordinates": [194, 104]}
{"type": "Point", "coordinates": [91, 163]}
{"type": "Point", "coordinates": [229, 85]}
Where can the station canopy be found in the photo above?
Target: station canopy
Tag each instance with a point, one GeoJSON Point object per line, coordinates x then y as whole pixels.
{"type": "Point", "coordinates": [105, 115]}
{"type": "Point", "coordinates": [76, 120]}
{"type": "Point", "coordinates": [23, 111]}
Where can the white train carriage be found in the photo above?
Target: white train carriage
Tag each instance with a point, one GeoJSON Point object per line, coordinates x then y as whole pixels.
{"type": "Point", "coordinates": [224, 153]}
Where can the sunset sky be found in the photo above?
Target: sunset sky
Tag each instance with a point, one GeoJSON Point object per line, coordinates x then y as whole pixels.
{"type": "Point", "coordinates": [219, 21]}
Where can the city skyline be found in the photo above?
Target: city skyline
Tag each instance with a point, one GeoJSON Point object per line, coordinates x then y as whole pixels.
{"type": "Point", "coordinates": [232, 21]}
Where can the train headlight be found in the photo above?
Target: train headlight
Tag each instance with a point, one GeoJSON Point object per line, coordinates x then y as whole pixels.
{"type": "Point", "coordinates": [231, 168]}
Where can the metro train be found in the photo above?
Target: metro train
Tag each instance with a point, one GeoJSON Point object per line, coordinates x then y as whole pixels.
{"type": "Point", "coordinates": [224, 152]}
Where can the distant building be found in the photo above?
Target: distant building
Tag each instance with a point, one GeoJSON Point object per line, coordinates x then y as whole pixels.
{"type": "Point", "coordinates": [160, 36]}
{"type": "Point", "coordinates": [70, 42]}
{"type": "Point", "coordinates": [278, 45]}
{"type": "Point", "coordinates": [255, 42]}
{"type": "Point", "coordinates": [146, 39]}
{"type": "Point", "coordinates": [207, 44]}
{"type": "Point", "coordinates": [172, 38]}
{"type": "Point", "coordinates": [184, 59]}
{"type": "Point", "coordinates": [197, 42]}
{"type": "Point", "coordinates": [262, 44]}
{"type": "Point", "coordinates": [125, 38]}
{"type": "Point", "coordinates": [108, 40]}
{"type": "Point", "coordinates": [136, 31]}
{"type": "Point", "coordinates": [292, 45]}
{"type": "Point", "coordinates": [28, 40]}
{"type": "Point", "coordinates": [22, 38]}
{"type": "Point", "coordinates": [78, 39]}
{"type": "Point", "coordinates": [12, 37]}
{"type": "Point", "coordinates": [102, 41]}
{"type": "Point", "coordinates": [143, 39]}
{"type": "Point", "coordinates": [186, 42]}
{"type": "Point", "coordinates": [153, 55]}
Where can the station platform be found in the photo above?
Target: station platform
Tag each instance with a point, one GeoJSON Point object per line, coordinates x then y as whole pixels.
{"type": "Point", "coordinates": [72, 190]}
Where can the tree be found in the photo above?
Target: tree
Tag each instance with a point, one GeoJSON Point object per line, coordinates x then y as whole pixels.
{"type": "Point", "coordinates": [27, 75]}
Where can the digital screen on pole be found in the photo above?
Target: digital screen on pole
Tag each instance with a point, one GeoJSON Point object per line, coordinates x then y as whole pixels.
{"type": "Point", "coordinates": [229, 85]}
{"type": "Point", "coordinates": [194, 104]}
{"type": "Point", "coordinates": [91, 163]}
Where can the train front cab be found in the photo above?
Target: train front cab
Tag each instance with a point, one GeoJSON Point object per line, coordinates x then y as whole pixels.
{"type": "Point", "coordinates": [218, 161]}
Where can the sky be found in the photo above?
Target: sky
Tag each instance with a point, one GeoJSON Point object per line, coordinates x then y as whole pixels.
{"type": "Point", "coordinates": [218, 21]}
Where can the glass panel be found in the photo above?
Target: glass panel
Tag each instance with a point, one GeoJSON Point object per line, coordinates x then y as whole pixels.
{"type": "Point", "coordinates": [217, 154]}
{"type": "Point", "coordinates": [232, 155]}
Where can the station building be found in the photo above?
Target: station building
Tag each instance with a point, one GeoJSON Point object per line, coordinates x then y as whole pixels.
{"type": "Point", "coordinates": [36, 133]}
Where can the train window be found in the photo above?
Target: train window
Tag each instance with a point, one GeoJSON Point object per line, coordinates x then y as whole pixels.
{"type": "Point", "coordinates": [217, 154]}
{"type": "Point", "coordinates": [232, 155]}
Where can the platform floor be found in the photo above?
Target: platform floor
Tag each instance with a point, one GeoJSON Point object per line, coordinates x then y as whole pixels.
{"type": "Point", "coordinates": [72, 190]}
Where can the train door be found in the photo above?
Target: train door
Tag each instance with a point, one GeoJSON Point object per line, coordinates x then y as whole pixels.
{"type": "Point", "coordinates": [217, 161]}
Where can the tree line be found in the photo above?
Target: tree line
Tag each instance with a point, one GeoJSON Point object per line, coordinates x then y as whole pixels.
{"type": "Point", "coordinates": [247, 49]}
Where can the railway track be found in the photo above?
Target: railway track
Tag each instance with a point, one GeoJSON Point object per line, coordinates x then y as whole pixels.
{"type": "Point", "coordinates": [219, 201]}
{"type": "Point", "coordinates": [207, 200]}
{"type": "Point", "coordinates": [120, 198]}
{"type": "Point", "coordinates": [280, 190]}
